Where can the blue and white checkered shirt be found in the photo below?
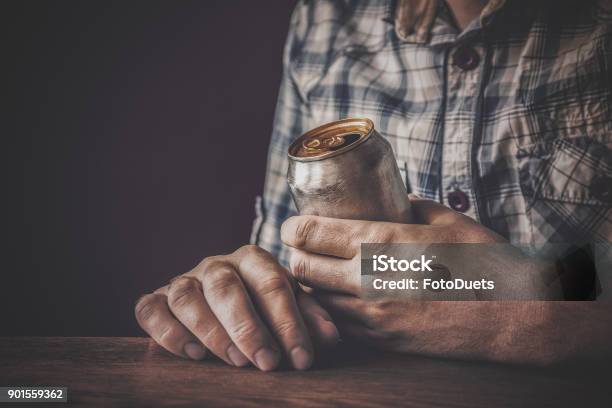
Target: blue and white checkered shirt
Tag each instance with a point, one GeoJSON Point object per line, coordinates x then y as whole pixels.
{"type": "Point", "coordinates": [508, 121]}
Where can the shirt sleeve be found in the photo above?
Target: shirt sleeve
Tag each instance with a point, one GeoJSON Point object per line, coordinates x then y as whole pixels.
{"type": "Point", "coordinates": [276, 204]}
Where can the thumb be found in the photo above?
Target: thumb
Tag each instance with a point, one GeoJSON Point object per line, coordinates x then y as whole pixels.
{"type": "Point", "coordinates": [430, 212]}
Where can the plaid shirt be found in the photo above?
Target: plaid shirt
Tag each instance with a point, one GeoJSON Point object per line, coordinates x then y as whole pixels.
{"type": "Point", "coordinates": [513, 112]}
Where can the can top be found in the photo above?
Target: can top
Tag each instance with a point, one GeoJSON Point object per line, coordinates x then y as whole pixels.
{"type": "Point", "coordinates": [331, 139]}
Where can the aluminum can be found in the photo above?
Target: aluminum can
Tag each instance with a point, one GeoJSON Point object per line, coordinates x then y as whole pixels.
{"type": "Point", "coordinates": [346, 169]}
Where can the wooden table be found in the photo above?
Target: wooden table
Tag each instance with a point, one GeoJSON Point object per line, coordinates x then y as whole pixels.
{"type": "Point", "coordinates": [135, 372]}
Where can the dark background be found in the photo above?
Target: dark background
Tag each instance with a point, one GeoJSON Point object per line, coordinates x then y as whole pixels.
{"type": "Point", "coordinates": [134, 140]}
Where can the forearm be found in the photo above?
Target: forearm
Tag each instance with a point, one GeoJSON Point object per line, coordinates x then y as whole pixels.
{"type": "Point", "coordinates": [538, 333]}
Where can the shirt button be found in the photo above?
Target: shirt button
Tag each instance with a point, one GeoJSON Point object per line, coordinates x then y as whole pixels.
{"type": "Point", "coordinates": [458, 201]}
{"type": "Point", "coordinates": [466, 58]}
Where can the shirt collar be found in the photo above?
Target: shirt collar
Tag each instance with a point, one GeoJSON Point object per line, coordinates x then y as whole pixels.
{"type": "Point", "coordinates": [414, 19]}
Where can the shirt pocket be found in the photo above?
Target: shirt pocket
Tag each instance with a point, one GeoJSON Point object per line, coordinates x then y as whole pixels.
{"type": "Point", "coordinates": [565, 96]}
{"type": "Point", "coordinates": [562, 129]}
{"type": "Point", "coordinates": [567, 185]}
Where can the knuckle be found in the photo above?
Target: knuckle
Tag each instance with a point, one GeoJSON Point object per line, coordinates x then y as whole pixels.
{"type": "Point", "coordinates": [211, 261]}
{"type": "Point", "coordinates": [375, 315]}
{"type": "Point", "coordinates": [300, 267]}
{"type": "Point", "coordinates": [378, 310]}
{"type": "Point", "coordinates": [248, 250]}
{"type": "Point", "coordinates": [244, 331]}
{"type": "Point", "coordinates": [287, 328]}
{"type": "Point", "coordinates": [146, 306]}
{"type": "Point", "coordinates": [167, 335]}
{"type": "Point", "coordinates": [382, 234]}
{"type": "Point", "coordinates": [181, 293]}
{"type": "Point", "coordinates": [251, 257]}
{"type": "Point", "coordinates": [213, 336]}
{"type": "Point", "coordinates": [304, 231]}
{"type": "Point", "coordinates": [219, 280]}
{"type": "Point", "coordinates": [272, 285]}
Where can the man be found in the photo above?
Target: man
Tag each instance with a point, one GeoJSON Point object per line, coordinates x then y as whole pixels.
{"type": "Point", "coordinates": [498, 109]}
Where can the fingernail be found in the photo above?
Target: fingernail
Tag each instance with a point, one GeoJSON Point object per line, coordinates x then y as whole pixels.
{"type": "Point", "coordinates": [266, 359]}
{"type": "Point", "coordinates": [194, 351]}
{"type": "Point", "coordinates": [236, 356]}
{"type": "Point", "coordinates": [331, 331]}
{"type": "Point", "coordinates": [301, 358]}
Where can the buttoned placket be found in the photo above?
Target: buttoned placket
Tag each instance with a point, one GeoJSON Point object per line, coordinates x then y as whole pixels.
{"type": "Point", "coordinates": [464, 65]}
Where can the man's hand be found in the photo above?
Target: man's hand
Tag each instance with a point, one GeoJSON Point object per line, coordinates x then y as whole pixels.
{"type": "Point", "coordinates": [243, 307]}
{"type": "Point", "coordinates": [326, 257]}
{"type": "Point", "coordinates": [326, 251]}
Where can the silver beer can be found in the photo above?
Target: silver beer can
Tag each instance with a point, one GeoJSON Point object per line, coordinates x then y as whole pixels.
{"type": "Point", "coordinates": [346, 169]}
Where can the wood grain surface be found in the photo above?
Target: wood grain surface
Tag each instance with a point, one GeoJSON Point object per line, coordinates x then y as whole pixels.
{"type": "Point", "coordinates": [136, 372]}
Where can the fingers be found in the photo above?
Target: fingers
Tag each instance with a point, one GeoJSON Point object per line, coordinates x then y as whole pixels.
{"type": "Point", "coordinates": [272, 293]}
{"type": "Point", "coordinates": [242, 307]}
{"type": "Point", "coordinates": [328, 236]}
{"type": "Point", "coordinates": [320, 325]}
{"type": "Point", "coordinates": [187, 304]}
{"type": "Point", "coordinates": [326, 272]}
{"type": "Point", "coordinates": [154, 317]}
{"type": "Point", "coordinates": [230, 303]}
